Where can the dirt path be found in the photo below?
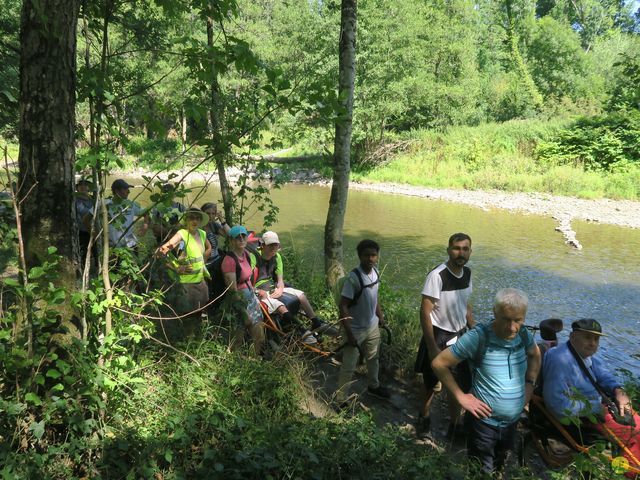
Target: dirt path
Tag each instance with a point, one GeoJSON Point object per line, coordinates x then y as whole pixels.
{"type": "Point", "coordinates": [400, 411]}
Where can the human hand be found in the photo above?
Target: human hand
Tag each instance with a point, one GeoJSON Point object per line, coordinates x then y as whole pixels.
{"type": "Point", "coordinates": [351, 340]}
{"type": "Point", "coordinates": [477, 407]}
{"type": "Point", "coordinates": [528, 393]}
{"type": "Point", "coordinates": [622, 402]}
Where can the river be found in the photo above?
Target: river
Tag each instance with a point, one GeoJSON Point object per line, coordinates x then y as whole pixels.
{"type": "Point", "coordinates": [602, 281]}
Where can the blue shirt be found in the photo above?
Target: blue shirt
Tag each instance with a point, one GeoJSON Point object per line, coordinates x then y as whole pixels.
{"type": "Point", "coordinates": [567, 390]}
{"type": "Point", "coordinates": [500, 378]}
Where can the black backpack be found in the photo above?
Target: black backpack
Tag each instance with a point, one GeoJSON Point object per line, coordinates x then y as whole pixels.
{"type": "Point", "coordinates": [217, 286]}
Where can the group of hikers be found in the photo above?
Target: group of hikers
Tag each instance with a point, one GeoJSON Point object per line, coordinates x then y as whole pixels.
{"type": "Point", "coordinates": [489, 370]}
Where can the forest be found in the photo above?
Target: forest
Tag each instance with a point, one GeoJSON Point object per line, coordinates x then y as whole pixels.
{"type": "Point", "coordinates": [516, 95]}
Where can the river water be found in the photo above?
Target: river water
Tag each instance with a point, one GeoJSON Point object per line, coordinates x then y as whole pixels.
{"type": "Point", "coordinates": [602, 281]}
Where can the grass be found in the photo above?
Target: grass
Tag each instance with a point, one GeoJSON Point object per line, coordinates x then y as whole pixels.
{"type": "Point", "coordinates": [499, 157]}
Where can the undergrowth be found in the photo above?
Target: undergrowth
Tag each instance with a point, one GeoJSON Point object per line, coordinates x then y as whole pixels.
{"type": "Point", "coordinates": [587, 158]}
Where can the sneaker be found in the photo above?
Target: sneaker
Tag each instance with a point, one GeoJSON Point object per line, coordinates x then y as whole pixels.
{"type": "Point", "coordinates": [380, 392]}
{"type": "Point", "coordinates": [321, 327]}
{"type": "Point", "coordinates": [423, 427]}
{"type": "Point", "coordinates": [308, 338]}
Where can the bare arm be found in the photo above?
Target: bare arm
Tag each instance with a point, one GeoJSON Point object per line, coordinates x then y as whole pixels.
{"type": "Point", "coordinates": [426, 307]}
{"type": "Point", "coordinates": [471, 322]}
{"type": "Point", "coordinates": [441, 366]}
{"type": "Point", "coordinates": [172, 243]}
{"type": "Point", "coordinates": [346, 320]}
{"type": "Point", "coordinates": [230, 281]}
{"type": "Point", "coordinates": [207, 249]}
{"type": "Point", "coordinates": [534, 362]}
{"type": "Point", "coordinates": [279, 286]}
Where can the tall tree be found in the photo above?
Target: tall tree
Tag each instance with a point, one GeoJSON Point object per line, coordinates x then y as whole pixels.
{"type": "Point", "coordinates": [334, 226]}
{"type": "Point", "coordinates": [47, 129]}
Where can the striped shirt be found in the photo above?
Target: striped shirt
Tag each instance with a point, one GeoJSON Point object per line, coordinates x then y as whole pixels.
{"type": "Point", "coordinates": [500, 378]}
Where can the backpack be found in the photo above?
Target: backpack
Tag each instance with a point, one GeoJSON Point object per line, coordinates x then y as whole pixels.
{"type": "Point", "coordinates": [484, 328]}
{"type": "Point", "coordinates": [337, 292]}
{"type": "Point", "coordinates": [217, 286]}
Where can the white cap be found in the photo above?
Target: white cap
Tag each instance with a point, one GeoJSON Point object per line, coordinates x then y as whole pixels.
{"type": "Point", "coordinates": [270, 237]}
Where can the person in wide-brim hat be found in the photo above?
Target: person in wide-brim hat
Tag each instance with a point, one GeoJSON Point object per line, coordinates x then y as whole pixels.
{"type": "Point", "coordinates": [195, 213]}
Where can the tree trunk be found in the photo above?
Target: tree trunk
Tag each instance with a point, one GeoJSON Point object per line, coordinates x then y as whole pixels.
{"type": "Point", "coordinates": [215, 125]}
{"type": "Point", "coordinates": [333, 230]}
{"type": "Point", "coordinates": [47, 130]}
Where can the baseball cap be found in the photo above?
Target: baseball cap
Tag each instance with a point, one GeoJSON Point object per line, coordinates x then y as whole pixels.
{"type": "Point", "coordinates": [237, 230]}
{"type": "Point", "coordinates": [587, 325]}
{"type": "Point", "coordinates": [120, 184]}
{"type": "Point", "coordinates": [270, 237]}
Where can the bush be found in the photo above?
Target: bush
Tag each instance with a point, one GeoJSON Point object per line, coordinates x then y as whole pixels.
{"type": "Point", "coordinates": [597, 143]}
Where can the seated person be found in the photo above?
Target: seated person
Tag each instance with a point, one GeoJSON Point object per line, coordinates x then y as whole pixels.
{"type": "Point", "coordinates": [271, 290]}
{"type": "Point", "coordinates": [238, 271]}
{"type": "Point", "coordinates": [570, 393]}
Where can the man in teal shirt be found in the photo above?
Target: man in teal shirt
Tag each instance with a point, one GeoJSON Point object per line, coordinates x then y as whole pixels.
{"type": "Point", "coordinates": [506, 362]}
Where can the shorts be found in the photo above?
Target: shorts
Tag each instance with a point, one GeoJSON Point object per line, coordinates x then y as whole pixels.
{"type": "Point", "coordinates": [254, 313]}
{"type": "Point", "coordinates": [461, 372]}
{"type": "Point", "coordinates": [288, 297]}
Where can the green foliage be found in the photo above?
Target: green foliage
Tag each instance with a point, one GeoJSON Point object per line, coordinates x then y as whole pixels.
{"type": "Point", "coordinates": [609, 143]}
{"type": "Point", "coordinates": [626, 94]}
{"type": "Point", "coordinates": [9, 73]}
{"type": "Point", "coordinates": [526, 156]}
{"type": "Point", "coordinates": [557, 60]}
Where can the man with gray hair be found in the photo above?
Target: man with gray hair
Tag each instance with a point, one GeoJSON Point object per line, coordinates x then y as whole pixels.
{"type": "Point", "coordinates": [506, 361]}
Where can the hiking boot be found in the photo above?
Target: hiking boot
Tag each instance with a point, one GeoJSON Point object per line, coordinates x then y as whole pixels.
{"type": "Point", "coordinates": [423, 427]}
{"type": "Point", "coordinates": [380, 392]}
{"type": "Point", "coordinates": [322, 327]}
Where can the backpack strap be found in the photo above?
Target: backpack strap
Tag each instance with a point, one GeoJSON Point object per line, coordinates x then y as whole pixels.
{"type": "Point", "coordinates": [356, 295]}
{"type": "Point", "coordinates": [483, 344]}
{"type": "Point", "coordinates": [251, 260]}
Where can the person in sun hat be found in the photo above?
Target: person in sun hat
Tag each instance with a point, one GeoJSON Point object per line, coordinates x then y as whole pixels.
{"type": "Point", "coordinates": [579, 386]}
{"type": "Point", "coordinates": [192, 249]}
{"type": "Point", "coordinates": [271, 289]}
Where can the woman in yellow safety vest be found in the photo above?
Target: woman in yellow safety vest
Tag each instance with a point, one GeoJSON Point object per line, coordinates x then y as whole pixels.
{"type": "Point", "coordinates": [193, 251]}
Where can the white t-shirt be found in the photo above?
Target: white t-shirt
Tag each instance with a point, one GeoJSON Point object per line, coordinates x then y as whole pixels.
{"type": "Point", "coordinates": [364, 311]}
{"type": "Point", "coordinates": [451, 295]}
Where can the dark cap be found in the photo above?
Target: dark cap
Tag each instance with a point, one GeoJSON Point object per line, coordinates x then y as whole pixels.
{"type": "Point", "coordinates": [587, 325]}
{"type": "Point", "coordinates": [119, 184]}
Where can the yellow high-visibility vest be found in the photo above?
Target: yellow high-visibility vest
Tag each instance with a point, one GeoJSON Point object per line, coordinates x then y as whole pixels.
{"type": "Point", "coordinates": [192, 255]}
